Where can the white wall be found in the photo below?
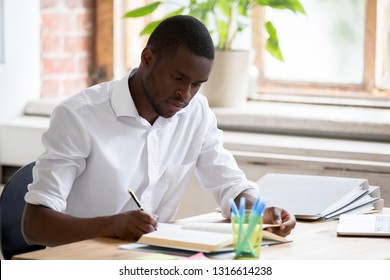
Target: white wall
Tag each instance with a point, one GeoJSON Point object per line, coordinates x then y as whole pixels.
{"type": "Point", "coordinates": [20, 71]}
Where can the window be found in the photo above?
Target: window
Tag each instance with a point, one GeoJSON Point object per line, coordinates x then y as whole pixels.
{"type": "Point", "coordinates": [1, 32]}
{"type": "Point", "coordinates": [339, 48]}
{"type": "Point", "coordinates": [324, 46]}
{"type": "Point", "coordinates": [383, 48]}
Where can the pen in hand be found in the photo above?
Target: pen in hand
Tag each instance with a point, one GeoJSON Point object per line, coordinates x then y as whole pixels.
{"type": "Point", "coordinates": [135, 198]}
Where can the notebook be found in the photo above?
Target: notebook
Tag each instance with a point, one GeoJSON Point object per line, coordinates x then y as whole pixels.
{"type": "Point", "coordinates": [310, 197]}
{"type": "Point", "coordinates": [364, 225]}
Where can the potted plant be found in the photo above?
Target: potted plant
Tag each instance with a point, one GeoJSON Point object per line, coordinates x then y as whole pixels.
{"type": "Point", "coordinates": [224, 19]}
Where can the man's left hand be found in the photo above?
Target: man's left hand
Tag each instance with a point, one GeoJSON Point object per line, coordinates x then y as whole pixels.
{"type": "Point", "coordinates": [276, 215]}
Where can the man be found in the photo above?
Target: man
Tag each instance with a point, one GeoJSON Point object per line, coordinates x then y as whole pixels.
{"type": "Point", "coordinates": [148, 131]}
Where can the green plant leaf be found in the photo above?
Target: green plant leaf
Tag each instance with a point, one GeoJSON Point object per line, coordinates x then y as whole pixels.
{"type": "Point", "coordinates": [143, 11]}
{"type": "Point", "coordinates": [293, 5]}
{"type": "Point", "coordinates": [201, 10]}
{"type": "Point", "coordinates": [148, 29]}
{"type": "Point", "coordinates": [273, 48]}
{"type": "Point", "coordinates": [245, 4]}
{"type": "Point", "coordinates": [217, 16]}
{"type": "Point", "coordinates": [244, 7]}
{"type": "Point", "coordinates": [225, 7]}
{"type": "Point", "coordinates": [222, 34]}
{"type": "Point", "coordinates": [272, 44]}
{"type": "Point", "coordinates": [271, 30]}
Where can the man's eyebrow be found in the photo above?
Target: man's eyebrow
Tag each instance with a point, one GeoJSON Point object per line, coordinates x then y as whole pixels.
{"type": "Point", "coordinates": [201, 81]}
{"type": "Point", "coordinates": [178, 72]}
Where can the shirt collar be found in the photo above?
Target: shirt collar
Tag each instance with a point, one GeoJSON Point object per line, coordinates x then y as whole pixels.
{"type": "Point", "coordinates": [122, 101]}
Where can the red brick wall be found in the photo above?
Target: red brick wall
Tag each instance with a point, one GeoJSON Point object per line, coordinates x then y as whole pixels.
{"type": "Point", "coordinates": [66, 37]}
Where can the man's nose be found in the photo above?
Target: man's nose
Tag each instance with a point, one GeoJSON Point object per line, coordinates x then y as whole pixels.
{"type": "Point", "coordinates": [184, 92]}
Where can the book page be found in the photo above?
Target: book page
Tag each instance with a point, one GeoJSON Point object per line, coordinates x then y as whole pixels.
{"type": "Point", "coordinates": [174, 237]}
{"type": "Point", "coordinates": [227, 228]}
{"type": "Point", "coordinates": [216, 227]}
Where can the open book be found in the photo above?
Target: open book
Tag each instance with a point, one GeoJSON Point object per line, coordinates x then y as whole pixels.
{"type": "Point", "coordinates": [201, 237]}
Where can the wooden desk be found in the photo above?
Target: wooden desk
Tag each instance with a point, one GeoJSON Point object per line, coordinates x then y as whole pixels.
{"type": "Point", "coordinates": [311, 241]}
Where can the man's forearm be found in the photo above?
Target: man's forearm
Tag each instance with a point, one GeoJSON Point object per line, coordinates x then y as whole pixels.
{"type": "Point", "coordinates": [250, 198]}
{"type": "Point", "coordinates": [44, 226]}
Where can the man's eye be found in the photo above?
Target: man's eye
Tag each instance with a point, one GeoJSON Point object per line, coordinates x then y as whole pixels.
{"type": "Point", "coordinates": [178, 78]}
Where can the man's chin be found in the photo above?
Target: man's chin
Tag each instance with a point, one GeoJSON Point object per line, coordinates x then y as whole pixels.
{"type": "Point", "coordinates": [167, 113]}
{"type": "Point", "coordinates": [168, 116]}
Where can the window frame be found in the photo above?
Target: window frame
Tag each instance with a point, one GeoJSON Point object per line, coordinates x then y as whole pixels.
{"type": "Point", "coordinates": [367, 89]}
{"type": "Point", "coordinates": [363, 100]}
{"type": "Point", "coordinates": [299, 92]}
{"type": "Point", "coordinates": [2, 53]}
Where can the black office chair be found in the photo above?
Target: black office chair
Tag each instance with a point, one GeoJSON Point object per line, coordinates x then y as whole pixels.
{"type": "Point", "coordinates": [11, 211]}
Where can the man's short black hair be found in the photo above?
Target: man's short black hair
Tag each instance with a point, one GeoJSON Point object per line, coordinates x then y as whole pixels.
{"type": "Point", "coordinates": [185, 31]}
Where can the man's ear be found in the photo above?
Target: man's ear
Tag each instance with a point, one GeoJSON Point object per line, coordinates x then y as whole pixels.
{"type": "Point", "coordinates": [147, 57]}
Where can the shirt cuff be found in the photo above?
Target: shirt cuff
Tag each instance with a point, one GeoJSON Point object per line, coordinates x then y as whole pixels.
{"type": "Point", "coordinates": [250, 188]}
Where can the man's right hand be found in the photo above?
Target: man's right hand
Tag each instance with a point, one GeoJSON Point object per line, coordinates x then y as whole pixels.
{"type": "Point", "coordinates": [131, 225]}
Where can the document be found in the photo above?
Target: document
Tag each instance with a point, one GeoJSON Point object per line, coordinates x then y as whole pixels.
{"type": "Point", "coordinates": [201, 237]}
{"type": "Point", "coordinates": [311, 197]}
{"type": "Point", "coordinates": [364, 225]}
{"type": "Point", "coordinates": [371, 202]}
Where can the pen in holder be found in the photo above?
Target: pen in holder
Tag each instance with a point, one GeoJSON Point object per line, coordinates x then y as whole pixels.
{"type": "Point", "coordinates": [247, 229]}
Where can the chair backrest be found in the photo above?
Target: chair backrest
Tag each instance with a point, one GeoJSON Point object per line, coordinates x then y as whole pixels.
{"type": "Point", "coordinates": [11, 210]}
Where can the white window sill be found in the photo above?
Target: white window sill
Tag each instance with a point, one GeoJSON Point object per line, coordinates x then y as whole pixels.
{"type": "Point", "coordinates": [359, 120]}
{"type": "Point", "coordinates": [363, 123]}
{"type": "Point", "coordinates": [42, 107]}
{"type": "Point", "coordinates": [368, 121]}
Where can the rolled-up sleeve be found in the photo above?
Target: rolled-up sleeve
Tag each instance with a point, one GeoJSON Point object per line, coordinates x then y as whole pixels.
{"type": "Point", "coordinates": [66, 147]}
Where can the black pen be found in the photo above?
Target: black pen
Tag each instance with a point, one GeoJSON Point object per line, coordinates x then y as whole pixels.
{"type": "Point", "coordinates": [135, 198]}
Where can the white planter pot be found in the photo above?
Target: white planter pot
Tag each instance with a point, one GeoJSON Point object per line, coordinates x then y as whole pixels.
{"type": "Point", "coordinates": [229, 79]}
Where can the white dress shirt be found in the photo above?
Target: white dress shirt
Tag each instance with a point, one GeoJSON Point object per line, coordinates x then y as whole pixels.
{"type": "Point", "coordinates": [97, 146]}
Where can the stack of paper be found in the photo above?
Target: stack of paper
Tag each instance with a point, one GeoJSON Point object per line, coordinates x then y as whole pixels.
{"type": "Point", "coordinates": [311, 197]}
